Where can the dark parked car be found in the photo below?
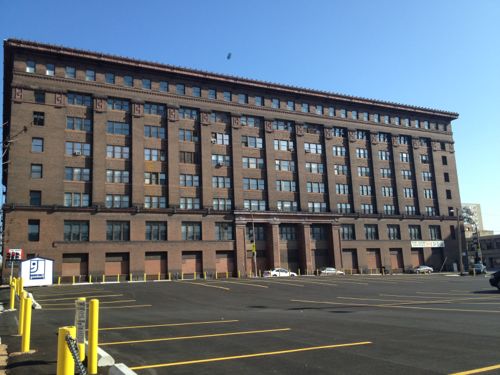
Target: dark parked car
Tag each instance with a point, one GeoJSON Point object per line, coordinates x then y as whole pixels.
{"type": "Point", "coordinates": [495, 279]}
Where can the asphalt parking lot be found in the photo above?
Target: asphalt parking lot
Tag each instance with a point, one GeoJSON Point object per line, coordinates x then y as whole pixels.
{"type": "Point", "coordinates": [411, 324]}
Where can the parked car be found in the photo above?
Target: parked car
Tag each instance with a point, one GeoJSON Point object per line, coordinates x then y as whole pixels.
{"type": "Point", "coordinates": [331, 271]}
{"type": "Point", "coordinates": [479, 268]}
{"type": "Point", "coordinates": [495, 280]}
{"type": "Point", "coordinates": [278, 272]}
{"type": "Point", "coordinates": [424, 269]}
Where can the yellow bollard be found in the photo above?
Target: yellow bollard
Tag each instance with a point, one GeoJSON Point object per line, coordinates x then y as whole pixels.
{"type": "Point", "coordinates": [103, 278]}
{"type": "Point", "coordinates": [10, 279]}
{"type": "Point", "coordinates": [73, 279]}
{"type": "Point", "coordinates": [130, 277]}
{"type": "Point", "coordinates": [20, 286]}
{"type": "Point", "coordinates": [205, 275]}
{"type": "Point", "coordinates": [58, 280]}
{"type": "Point", "coordinates": [239, 274]}
{"type": "Point", "coordinates": [216, 277]}
{"type": "Point", "coordinates": [194, 276]}
{"type": "Point", "coordinates": [90, 279]}
{"type": "Point", "coordinates": [25, 340]}
{"type": "Point", "coordinates": [158, 276]}
{"type": "Point", "coordinates": [81, 346]}
{"type": "Point", "coordinates": [144, 277]}
{"type": "Point", "coordinates": [182, 275]}
{"type": "Point", "coordinates": [21, 314]}
{"type": "Point", "coordinates": [227, 275]}
{"type": "Point", "coordinates": [118, 277]}
{"type": "Point", "coordinates": [65, 362]}
{"type": "Point", "coordinates": [93, 336]}
{"type": "Point", "coordinates": [169, 276]}
{"type": "Point", "coordinates": [12, 301]}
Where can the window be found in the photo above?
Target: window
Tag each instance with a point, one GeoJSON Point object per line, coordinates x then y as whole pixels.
{"type": "Point", "coordinates": [371, 232]}
{"type": "Point", "coordinates": [315, 187]}
{"type": "Point", "coordinates": [443, 146]}
{"type": "Point", "coordinates": [275, 103]}
{"type": "Point", "coordinates": [189, 113]}
{"type": "Point", "coordinates": [430, 211]}
{"type": "Point", "coordinates": [347, 232]}
{"type": "Point", "coordinates": [406, 122]}
{"type": "Point", "coordinates": [313, 148]}
{"type": "Point", "coordinates": [319, 109]}
{"type": "Point", "coordinates": [410, 210]}
{"type": "Point", "coordinates": [344, 208]}
{"type": "Point", "coordinates": [389, 209]}
{"type": "Point", "coordinates": [36, 171]}
{"type": "Point", "coordinates": [163, 87]}
{"type": "Point", "coordinates": [146, 84]}
{"type": "Point", "coordinates": [212, 94]}
{"type": "Point", "coordinates": [117, 201]}
{"type": "Point", "coordinates": [288, 232]}
{"type": "Point", "coordinates": [186, 135]}
{"type": "Point", "coordinates": [384, 155]}
{"type": "Point", "coordinates": [428, 193]}
{"type": "Point", "coordinates": [253, 142]}
{"type": "Point", "coordinates": [365, 190]}
{"type": "Point", "coordinates": [406, 173]}
{"type": "Point", "coordinates": [188, 157]}
{"type": "Point", "coordinates": [448, 194]}
{"type": "Point", "coordinates": [76, 200]}
{"type": "Point", "coordinates": [342, 188]}
{"type": "Point", "coordinates": [180, 89]}
{"type": "Point", "coordinates": [70, 72]}
{"type": "Point", "coordinates": [251, 122]}
{"type": "Point", "coordinates": [408, 192]}
{"type": "Point", "coordinates": [219, 117]}
{"type": "Point", "coordinates": [226, 95]}
{"type": "Point", "coordinates": [34, 230]}
{"type": "Point", "coordinates": [222, 160]}
{"type": "Point", "coordinates": [283, 125]}
{"type": "Point", "coordinates": [393, 232]}
{"type": "Point", "coordinates": [319, 233]}
{"type": "Point", "coordinates": [290, 105]}
{"type": "Point", "coordinates": [361, 134]}
{"type": "Point", "coordinates": [387, 191]}
{"type": "Point", "coordinates": [50, 70]}
{"type": "Point", "coordinates": [313, 129]}
{"type": "Point", "coordinates": [354, 115]}
{"type": "Point", "coordinates": [35, 198]}
{"type": "Point", "coordinates": [154, 132]}
{"type": "Point", "coordinates": [424, 159]}
{"type": "Point", "coordinates": [80, 99]}
{"type": "Point", "coordinates": [259, 101]}
{"type": "Point", "coordinates": [154, 178]}
{"type": "Point", "coordinates": [426, 124]}
{"type": "Point", "coordinates": [404, 140]}
{"type": "Point", "coordinates": [316, 206]}
{"type": "Point", "coordinates": [189, 203]}
{"type": "Point", "coordinates": [435, 232]}
{"type": "Point", "coordinates": [331, 111]}
{"type": "Point", "coordinates": [253, 163]}
{"type": "Point", "coordinates": [362, 153]}
{"type": "Point", "coordinates": [224, 232]}
{"type": "Point", "coordinates": [39, 118]}
{"type": "Point", "coordinates": [154, 154]}
{"type": "Point", "coordinates": [256, 232]}
{"type": "Point", "coordinates": [128, 81]}
{"type": "Point", "coordinates": [444, 160]}
{"type": "Point", "coordinates": [253, 184]}
{"type": "Point", "coordinates": [396, 120]}
{"type": "Point", "coordinates": [383, 137]}
{"type": "Point", "coordinates": [109, 78]}
{"type": "Point", "coordinates": [287, 206]}
{"type": "Point", "coordinates": [364, 171]}
{"type": "Point", "coordinates": [285, 185]}
{"type": "Point", "coordinates": [77, 149]}
{"type": "Point", "coordinates": [196, 91]}
{"type": "Point", "coordinates": [76, 230]}
{"type": "Point", "coordinates": [305, 108]}
{"type": "Point", "coordinates": [343, 113]}
{"type": "Point", "coordinates": [417, 123]}
{"type": "Point", "coordinates": [446, 177]}
{"type": "Point", "coordinates": [36, 144]}
{"type": "Point", "coordinates": [220, 139]}
{"type": "Point", "coordinates": [243, 98]}
{"type": "Point", "coordinates": [221, 204]}
{"type": "Point", "coordinates": [414, 232]}
{"type": "Point", "coordinates": [154, 109]}
{"type": "Point", "coordinates": [314, 167]}
{"type": "Point", "coordinates": [76, 174]}
{"type": "Point", "coordinates": [385, 119]}
{"type": "Point", "coordinates": [117, 231]}
{"type": "Point", "coordinates": [285, 165]}
{"type": "Point", "coordinates": [221, 182]}
{"type": "Point", "coordinates": [80, 124]}
{"type": "Point", "coordinates": [426, 176]}
{"type": "Point", "coordinates": [340, 170]}
{"type": "Point", "coordinates": [156, 231]}
{"type": "Point", "coordinates": [385, 172]}
{"type": "Point", "coordinates": [117, 176]}
{"type": "Point", "coordinates": [254, 204]}
{"type": "Point", "coordinates": [191, 231]}
{"type": "Point", "coordinates": [404, 157]}
{"type": "Point", "coordinates": [121, 128]}
{"type": "Point", "coordinates": [39, 97]}
{"type": "Point", "coordinates": [365, 116]}
{"type": "Point", "coordinates": [367, 208]}
{"type": "Point", "coordinates": [189, 180]}
{"type": "Point", "coordinates": [155, 202]}
{"type": "Point", "coordinates": [117, 152]}
{"type": "Point", "coordinates": [339, 151]}
{"type": "Point", "coordinates": [118, 104]}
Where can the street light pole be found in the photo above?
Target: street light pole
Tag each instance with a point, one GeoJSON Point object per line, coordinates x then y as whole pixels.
{"type": "Point", "coordinates": [459, 238]}
{"type": "Point", "coordinates": [254, 247]}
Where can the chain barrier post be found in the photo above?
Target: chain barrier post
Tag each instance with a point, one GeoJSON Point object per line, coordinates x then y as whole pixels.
{"type": "Point", "coordinates": [12, 304]}
{"type": "Point", "coordinates": [65, 361]}
{"type": "Point", "coordinates": [25, 340]}
{"type": "Point", "coordinates": [21, 314]}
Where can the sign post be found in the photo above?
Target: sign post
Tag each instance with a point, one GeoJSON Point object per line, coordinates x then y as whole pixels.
{"type": "Point", "coordinates": [14, 255]}
{"type": "Point", "coordinates": [80, 320]}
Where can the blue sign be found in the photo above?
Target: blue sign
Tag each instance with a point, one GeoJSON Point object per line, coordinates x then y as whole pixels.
{"type": "Point", "coordinates": [37, 269]}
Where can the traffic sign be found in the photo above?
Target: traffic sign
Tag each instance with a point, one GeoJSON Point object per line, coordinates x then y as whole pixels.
{"type": "Point", "coordinates": [80, 319]}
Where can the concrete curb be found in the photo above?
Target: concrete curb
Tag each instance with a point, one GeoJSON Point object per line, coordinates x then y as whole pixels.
{"type": "Point", "coordinates": [121, 369]}
{"type": "Point", "coordinates": [103, 358]}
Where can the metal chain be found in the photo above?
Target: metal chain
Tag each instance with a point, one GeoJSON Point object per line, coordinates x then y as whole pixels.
{"type": "Point", "coordinates": [73, 348]}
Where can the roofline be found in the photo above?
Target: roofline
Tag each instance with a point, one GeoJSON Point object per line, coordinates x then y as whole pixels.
{"type": "Point", "coordinates": [196, 73]}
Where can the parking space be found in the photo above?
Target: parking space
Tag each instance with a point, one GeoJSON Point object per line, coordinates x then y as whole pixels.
{"type": "Point", "coordinates": [416, 324]}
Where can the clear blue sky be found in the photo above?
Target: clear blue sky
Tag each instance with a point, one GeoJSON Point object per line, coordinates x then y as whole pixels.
{"type": "Point", "coordinates": [442, 54]}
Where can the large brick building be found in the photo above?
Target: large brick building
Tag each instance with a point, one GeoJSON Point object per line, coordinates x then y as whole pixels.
{"type": "Point", "coordinates": [117, 165]}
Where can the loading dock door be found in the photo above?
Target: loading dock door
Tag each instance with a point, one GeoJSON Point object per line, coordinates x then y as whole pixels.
{"type": "Point", "coordinates": [192, 262]}
{"type": "Point", "coordinates": [373, 260]}
{"type": "Point", "coordinates": [156, 263]}
{"type": "Point", "coordinates": [436, 259]}
{"type": "Point", "coordinates": [225, 262]}
{"type": "Point", "coordinates": [321, 259]}
{"type": "Point", "coordinates": [417, 257]}
{"type": "Point", "coordinates": [75, 265]}
{"type": "Point", "coordinates": [350, 260]}
{"type": "Point", "coordinates": [116, 264]}
{"type": "Point", "coordinates": [397, 260]}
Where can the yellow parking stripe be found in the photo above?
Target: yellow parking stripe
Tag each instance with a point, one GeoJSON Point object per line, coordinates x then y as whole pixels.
{"type": "Point", "coordinates": [194, 337]}
{"type": "Point", "coordinates": [206, 285]}
{"type": "Point", "coordinates": [73, 304]}
{"type": "Point", "coordinates": [478, 370]}
{"type": "Point", "coordinates": [101, 307]}
{"type": "Point", "coordinates": [168, 325]}
{"type": "Point", "coordinates": [272, 281]}
{"type": "Point", "coordinates": [73, 298]}
{"type": "Point", "coordinates": [76, 294]}
{"type": "Point", "coordinates": [241, 283]}
{"type": "Point", "coordinates": [254, 355]}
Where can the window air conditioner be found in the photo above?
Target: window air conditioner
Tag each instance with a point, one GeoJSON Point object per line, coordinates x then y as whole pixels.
{"type": "Point", "coordinates": [77, 153]}
{"type": "Point", "coordinates": [214, 141]}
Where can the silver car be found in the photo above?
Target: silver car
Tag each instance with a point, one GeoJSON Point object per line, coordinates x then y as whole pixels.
{"type": "Point", "coordinates": [279, 272]}
{"type": "Point", "coordinates": [331, 271]}
{"type": "Point", "coordinates": [424, 269]}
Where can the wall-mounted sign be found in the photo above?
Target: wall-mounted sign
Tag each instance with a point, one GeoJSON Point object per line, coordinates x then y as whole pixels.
{"type": "Point", "coordinates": [37, 271]}
{"type": "Point", "coordinates": [427, 243]}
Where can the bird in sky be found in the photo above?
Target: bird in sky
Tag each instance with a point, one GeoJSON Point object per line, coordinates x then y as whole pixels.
{"type": "Point", "coordinates": [228, 57]}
